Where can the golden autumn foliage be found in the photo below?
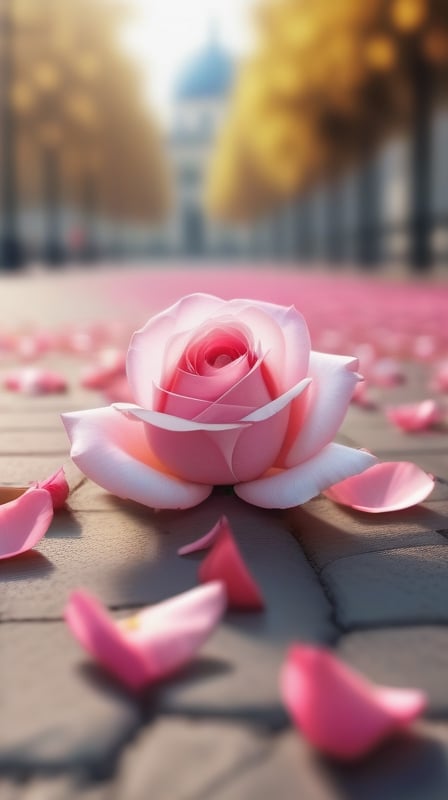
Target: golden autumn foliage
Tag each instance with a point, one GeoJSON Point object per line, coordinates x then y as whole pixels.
{"type": "Point", "coordinates": [326, 83]}
{"type": "Point", "coordinates": [77, 95]}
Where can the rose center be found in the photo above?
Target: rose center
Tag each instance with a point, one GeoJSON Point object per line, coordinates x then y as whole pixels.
{"type": "Point", "coordinates": [221, 361]}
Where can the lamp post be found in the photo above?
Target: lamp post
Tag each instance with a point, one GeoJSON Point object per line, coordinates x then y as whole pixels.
{"type": "Point", "coordinates": [11, 253]}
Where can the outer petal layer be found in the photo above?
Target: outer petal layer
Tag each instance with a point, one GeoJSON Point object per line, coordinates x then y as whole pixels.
{"type": "Point", "coordinates": [24, 521]}
{"type": "Point", "coordinates": [333, 381]}
{"type": "Point", "coordinates": [113, 451]}
{"type": "Point", "coordinates": [389, 486]}
{"type": "Point", "coordinates": [292, 487]}
{"type": "Point", "coordinates": [146, 355]}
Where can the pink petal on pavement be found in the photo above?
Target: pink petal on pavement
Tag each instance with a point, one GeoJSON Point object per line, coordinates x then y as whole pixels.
{"type": "Point", "coordinates": [387, 372]}
{"type": "Point", "coordinates": [338, 710]}
{"type": "Point", "coordinates": [411, 417]}
{"type": "Point", "coordinates": [58, 487]}
{"type": "Point", "coordinates": [388, 486]}
{"type": "Point", "coordinates": [440, 377]}
{"type": "Point", "coordinates": [224, 563]}
{"type": "Point", "coordinates": [205, 541]}
{"type": "Point", "coordinates": [35, 381]}
{"type": "Point", "coordinates": [118, 391]}
{"type": "Point", "coordinates": [155, 642]}
{"type": "Point", "coordinates": [110, 364]}
{"type": "Point", "coordinates": [292, 487]}
{"type": "Point", "coordinates": [24, 521]}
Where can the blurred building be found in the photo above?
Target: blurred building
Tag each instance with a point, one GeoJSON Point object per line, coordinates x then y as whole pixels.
{"type": "Point", "coordinates": [199, 105]}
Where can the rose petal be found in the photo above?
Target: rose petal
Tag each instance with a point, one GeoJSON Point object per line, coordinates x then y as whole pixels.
{"type": "Point", "coordinates": [35, 381]}
{"type": "Point", "coordinates": [440, 377]}
{"type": "Point", "coordinates": [111, 365]}
{"type": "Point", "coordinates": [24, 521]}
{"type": "Point", "coordinates": [386, 372]}
{"type": "Point", "coordinates": [285, 343]}
{"type": "Point", "coordinates": [113, 451]}
{"type": "Point", "coordinates": [169, 422]}
{"type": "Point", "coordinates": [58, 487]}
{"type": "Point", "coordinates": [117, 391]}
{"type": "Point", "coordinates": [224, 453]}
{"type": "Point", "coordinates": [389, 486]}
{"type": "Point", "coordinates": [414, 416]}
{"type": "Point", "coordinates": [294, 486]}
{"type": "Point", "coordinates": [144, 372]}
{"type": "Point", "coordinates": [225, 563]}
{"type": "Point", "coordinates": [333, 381]}
{"type": "Point", "coordinates": [153, 644]}
{"type": "Point", "coordinates": [204, 542]}
{"type": "Point", "coordinates": [337, 709]}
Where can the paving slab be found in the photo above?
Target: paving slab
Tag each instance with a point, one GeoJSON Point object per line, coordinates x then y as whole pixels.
{"type": "Point", "coordinates": [407, 585]}
{"type": "Point", "coordinates": [412, 656]}
{"type": "Point", "coordinates": [57, 714]}
{"type": "Point", "coordinates": [328, 532]}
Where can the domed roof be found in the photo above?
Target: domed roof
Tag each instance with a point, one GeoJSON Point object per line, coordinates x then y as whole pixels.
{"type": "Point", "coordinates": [209, 74]}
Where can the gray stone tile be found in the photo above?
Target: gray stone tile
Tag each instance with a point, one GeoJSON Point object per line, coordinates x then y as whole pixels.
{"type": "Point", "coordinates": [32, 441]}
{"type": "Point", "coordinates": [328, 531]}
{"type": "Point", "coordinates": [57, 712]}
{"type": "Point", "coordinates": [30, 420]}
{"type": "Point", "coordinates": [24, 469]}
{"type": "Point", "coordinates": [129, 557]}
{"type": "Point", "coordinates": [58, 788]}
{"type": "Point", "coordinates": [414, 656]}
{"type": "Point", "coordinates": [221, 760]}
{"type": "Point", "coordinates": [404, 586]}
{"type": "Point", "coordinates": [385, 440]}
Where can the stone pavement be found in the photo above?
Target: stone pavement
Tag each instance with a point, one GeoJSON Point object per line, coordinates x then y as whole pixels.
{"type": "Point", "coordinates": [375, 588]}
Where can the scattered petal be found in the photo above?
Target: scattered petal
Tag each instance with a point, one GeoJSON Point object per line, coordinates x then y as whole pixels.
{"type": "Point", "coordinates": [440, 377]}
{"type": "Point", "coordinates": [35, 381]}
{"type": "Point", "coordinates": [153, 644]}
{"type": "Point", "coordinates": [338, 710]}
{"type": "Point", "coordinates": [110, 365]}
{"type": "Point", "coordinates": [361, 397]}
{"type": "Point", "coordinates": [58, 487]}
{"type": "Point", "coordinates": [415, 416]}
{"type": "Point", "coordinates": [386, 372]}
{"type": "Point", "coordinates": [225, 563]}
{"type": "Point", "coordinates": [205, 541]}
{"type": "Point", "coordinates": [118, 391]}
{"type": "Point", "coordinates": [388, 486]}
{"type": "Point", "coordinates": [24, 521]}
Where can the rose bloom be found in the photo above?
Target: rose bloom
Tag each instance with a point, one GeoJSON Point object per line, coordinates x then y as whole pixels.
{"type": "Point", "coordinates": [226, 392]}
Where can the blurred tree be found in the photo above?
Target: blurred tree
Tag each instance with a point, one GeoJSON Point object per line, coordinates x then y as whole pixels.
{"type": "Point", "coordinates": [84, 138]}
{"type": "Point", "coordinates": [327, 83]}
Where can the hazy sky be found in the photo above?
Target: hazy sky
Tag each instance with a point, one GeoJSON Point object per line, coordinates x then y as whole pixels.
{"type": "Point", "coordinates": [168, 32]}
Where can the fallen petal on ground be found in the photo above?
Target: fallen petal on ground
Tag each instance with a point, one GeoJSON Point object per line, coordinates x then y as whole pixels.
{"type": "Point", "coordinates": [338, 710]}
{"type": "Point", "coordinates": [388, 486]}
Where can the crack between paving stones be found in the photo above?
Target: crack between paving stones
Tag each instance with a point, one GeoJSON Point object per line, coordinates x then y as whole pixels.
{"type": "Point", "coordinates": [331, 600]}
{"type": "Point", "coordinates": [383, 551]}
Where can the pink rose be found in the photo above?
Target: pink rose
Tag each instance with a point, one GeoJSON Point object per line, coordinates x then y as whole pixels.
{"type": "Point", "coordinates": [226, 392]}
